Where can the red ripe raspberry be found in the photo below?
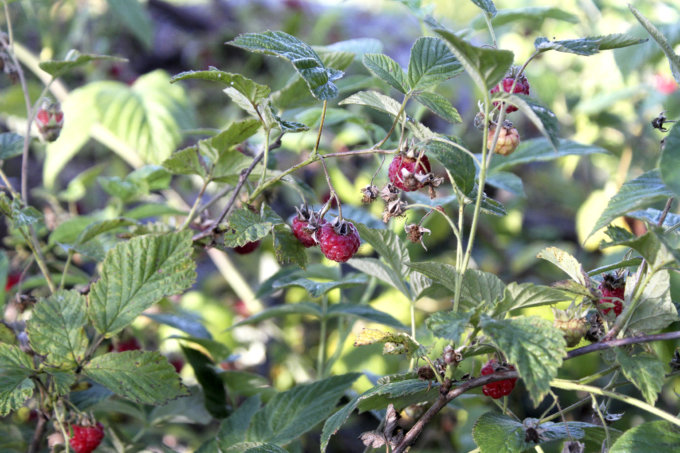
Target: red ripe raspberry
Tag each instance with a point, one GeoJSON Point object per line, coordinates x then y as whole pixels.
{"type": "Point", "coordinates": [339, 241]}
{"type": "Point", "coordinates": [305, 225]}
{"type": "Point", "coordinates": [131, 344]}
{"type": "Point", "coordinates": [86, 438]}
{"type": "Point", "coordinates": [402, 172]}
{"type": "Point", "coordinates": [508, 140]}
{"type": "Point", "coordinates": [49, 120]}
{"type": "Point", "coordinates": [613, 289]}
{"type": "Point", "coordinates": [247, 248]}
{"type": "Point", "coordinates": [521, 87]}
{"type": "Point", "coordinates": [12, 279]}
{"type": "Point", "coordinates": [497, 389]}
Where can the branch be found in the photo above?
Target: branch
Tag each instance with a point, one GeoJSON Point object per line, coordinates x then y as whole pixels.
{"type": "Point", "coordinates": [622, 342]}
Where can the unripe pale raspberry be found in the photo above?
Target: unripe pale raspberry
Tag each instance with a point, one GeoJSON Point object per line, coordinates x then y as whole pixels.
{"type": "Point", "coordinates": [49, 119]}
{"type": "Point", "coordinates": [508, 140]}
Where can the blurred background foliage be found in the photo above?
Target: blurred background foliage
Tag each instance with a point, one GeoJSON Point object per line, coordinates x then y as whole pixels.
{"type": "Point", "coordinates": [607, 100]}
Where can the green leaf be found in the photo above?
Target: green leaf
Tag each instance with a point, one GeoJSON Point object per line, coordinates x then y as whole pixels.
{"type": "Point", "coordinates": [507, 181]}
{"type": "Point", "coordinates": [56, 328]}
{"type": "Point", "coordinates": [218, 351]}
{"type": "Point", "coordinates": [662, 41]}
{"type": "Point", "coordinates": [669, 163]}
{"type": "Point", "coordinates": [653, 216]}
{"type": "Point", "coordinates": [4, 274]}
{"type": "Point", "coordinates": [11, 145]}
{"type": "Point", "coordinates": [486, 6]}
{"type": "Point", "coordinates": [655, 310]}
{"type": "Point", "coordinates": [152, 210]}
{"type": "Point", "coordinates": [459, 163]}
{"type": "Point", "coordinates": [381, 271]}
{"type": "Point", "coordinates": [645, 371]}
{"type": "Point", "coordinates": [186, 161]}
{"type": "Point", "coordinates": [486, 66]}
{"type": "Point", "coordinates": [642, 191]}
{"type": "Point", "coordinates": [388, 70]}
{"type": "Point", "coordinates": [248, 226]}
{"type": "Point", "coordinates": [364, 312]}
{"type": "Point", "coordinates": [24, 216]}
{"type": "Point", "coordinates": [544, 120]}
{"type": "Point", "coordinates": [290, 414]}
{"type": "Point", "coordinates": [388, 245]}
{"type": "Point", "coordinates": [188, 323]}
{"type": "Point", "coordinates": [233, 429]}
{"type": "Point", "coordinates": [287, 248]}
{"type": "Point", "coordinates": [236, 133]}
{"type": "Point", "coordinates": [497, 433]}
{"type": "Point", "coordinates": [441, 273]}
{"type": "Point", "coordinates": [77, 187]}
{"type": "Point", "coordinates": [630, 59]}
{"type": "Point", "coordinates": [15, 385]}
{"type": "Point", "coordinates": [374, 100]}
{"type": "Point", "coordinates": [287, 274]}
{"type": "Point", "coordinates": [317, 289]}
{"type": "Point", "coordinates": [244, 383]}
{"type": "Point", "coordinates": [300, 308]}
{"type": "Point", "coordinates": [214, 394]}
{"type": "Point", "coordinates": [564, 261]}
{"type": "Point", "coordinates": [658, 435]}
{"type": "Point", "coordinates": [319, 79]}
{"type": "Point", "coordinates": [481, 288]}
{"type": "Point", "coordinates": [135, 17]}
{"type": "Point", "coordinates": [535, 15]}
{"type": "Point", "coordinates": [101, 227]}
{"type": "Point", "coordinates": [439, 105]}
{"type": "Point", "coordinates": [393, 342]}
{"type": "Point", "coordinates": [252, 91]}
{"type": "Point", "coordinates": [527, 295]}
{"type": "Point", "coordinates": [138, 273]}
{"type": "Point", "coordinates": [73, 60]}
{"type": "Point", "coordinates": [431, 62]}
{"type": "Point", "coordinates": [144, 377]}
{"type": "Point", "coordinates": [400, 393]}
{"type": "Point", "coordinates": [533, 346]}
{"type": "Point", "coordinates": [541, 150]}
{"type": "Point", "coordinates": [587, 46]}
{"type": "Point", "coordinates": [448, 325]}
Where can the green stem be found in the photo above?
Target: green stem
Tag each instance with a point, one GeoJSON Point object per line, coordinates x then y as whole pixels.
{"type": "Point", "coordinates": [265, 160]}
{"type": "Point", "coordinates": [487, 18]}
{"type": "Point", "coordinates": [598, 375]}
{"type": "Point", "coordinates": [443, 214]}
{"type": "Point", "coordinates": [3, 176]}
{"type": "Point", "coordinates": [194, 207]}
{"type": "Point", "coordinates": [597, 410]}
{"type": "Point", "coordinates": [66, 267]}
{"type": "Point", "coordinates": [321, 357]}
{"type": "Point", "coordinates": [394, 123]}
{"type": "Point", "coordinates": [567, 385]}
{"type": "Point", "coordinates": [39, 259]}
{"type": "Point", "coordinates": [261, 188]}
{"type": "Point", "coordinates": [60, 425]}
{"type": "Point", "coordinates": [318, 137]}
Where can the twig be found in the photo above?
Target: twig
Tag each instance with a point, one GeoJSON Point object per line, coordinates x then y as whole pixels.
{"type": "Point", "coordinates": [38, 434]}
{"type": "Point", "coordinates": [622, 342]}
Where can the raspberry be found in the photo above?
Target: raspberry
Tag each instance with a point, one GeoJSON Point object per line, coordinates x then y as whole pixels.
{"type": "Point", "coordinates": [521, 87]}
{"type": "Point", "coordinates": [86, 438]}
{"type": "Point", "coordinates": [131, 344]}
{"type": "Point", "coordinates": [339, 241]}
{"type": "Point", "coordinates": [497, 389]}
{"type": "Point", "coordinates": [613, 289]}
{"type": "Point", "coordinates": [402, 172]}
{"type": "Point", "coordinates": [49, 119]}
{"type": "Point", "coordinates": [572, 329]}
{"type": "Point", "coordinates": [508, 139]}
{"type": "Point", "coordinates": [12, 279]}
{"type": "Point", "coordinates": [305, 226]}
{"type": "Point", "coordinates": [248, 247]}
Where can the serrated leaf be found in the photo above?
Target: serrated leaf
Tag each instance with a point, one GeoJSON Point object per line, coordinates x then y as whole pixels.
{"type": "Point", "coordinates": [247, 384]}
{"type": "Point", "coordinates": [497, 433]}
{"type": "Point", "coordinates": [669, 163]}
{"type": "Point", "coordinates": [387, 70]}
{"type": "Point", "coordinates": [448, 325]}
{"type": "Point", "coordinates": [544, 119]}
{"type": "Point", "coordinates": [460, 164]}
{"type": "Point", "coordinates": [533, 346]}
{"type": "Point", "coordinates": [431, 62]}
{"type": "Point", "coordinates": [135, 17]}
{"type": "Point", "coordinates": [186, 161]}
{"type": "Point", "coordinates": [526, 295]}
{"type": "Point", "coordinates": [292, 413]}
{"type": "Point", "coordinates": [645, 371]}
{"type": "Point", "coordinates": [441, 273]}
{"type": "Point", "coordinates": [535, 14]}
{"type": "Point", "coordinates": [642, 191]}
{"type": "Point", "coordinates": [588, 46]}
{"type": "Point", "coordinates": [214, 393]}
{"type": "Point", "coordinates": [218, 351]}
{"type": "Point", "coordinates": [56, 328]}
{"type": "Point", "coordinates": [481, 288]}
{"type": "Point", "coordinates": [288, 249]}
{"type": "Point", "coordinates": [252, 91]}
{"type": "Point", "coordinates": [363, 312]}
{"type": "Point", "coordinates": [144, 377]}
{"type": "Point", "coordinates": [308, 64]}
{"type": "Point", "coordinates": [357, 46]}
{"type": "Point", "coordinates": [317, 289]}
{"type": "Point", "coordinates": [374, 100]}
{"type": "Point", "coordinates": [655, 310]}
{"type": "Point", "coordinates": [73, 60]}
{"type": "Point", "coordinates": [77, 187]}
{"type": "Point", "coordinates": [286, 274]}
{"type": "Point", "coordinates": [439, 105]}
{"type": "Point", "coordinates": [400, 393]}
{"type": "Point", "coordinates": [381, 271]}
{"type": "Point", "coordinates": [15, 385]}
{"type": "Point", "coordinates": [188, 323]}
{"type": "Point", "coordinates": [138, 273]}
{"type": "Point", "coordinates": [486, 6]}
{"type": "Point", "coordinates": [662, 41]}
{"type": "Point", "coordinates": [63, 380]}
{"type": "Point", "coordinates": [237, 132]}
{"type": "Point", "coordinates": [486, 66]}
{"type": "Point", "coordinates": [658, 435]}
{"type": "Point", "coordinates": [233, 429]}
{"type": "Point", "coordinates": [248, 226]}
{"type": "Point", "coordinates": [301, 308]}
{"type": "Point", "coordinates": [541, 150]}
{"type": "Point", "coordinates": [650, 246]}
{"type": "Point", "coordinates": [507, 181]}
{"type": "Point", "coordinates": [653, 216]}
{"type": "Point", "coordinates": [101, 227]}
{"type": "Point", "coordinates": [11, 145]}
{"type": "Point", "coordinates": [389, 246]}
{"type": "Point", "coordinates": [564, 261]}
{"type": "Point", "coordinates": [393, 342]}
{"type": "Point", "coordinates": [24, 216]}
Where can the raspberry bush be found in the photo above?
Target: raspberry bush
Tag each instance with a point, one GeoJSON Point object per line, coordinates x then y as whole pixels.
{"type": "Point", "coordinates": [498, 220]}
